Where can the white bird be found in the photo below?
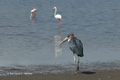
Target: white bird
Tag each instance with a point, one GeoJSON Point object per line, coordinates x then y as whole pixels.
{"type": "Point", "coordinates": [33, 13]}
{"type": "Point", "coordinates": [58, 17]}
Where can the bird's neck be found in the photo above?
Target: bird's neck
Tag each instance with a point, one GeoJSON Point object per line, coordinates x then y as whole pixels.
{"type": "Point", "coordinates": [55, 12]}
{"type": "Point", "coordinates": [69, 39]}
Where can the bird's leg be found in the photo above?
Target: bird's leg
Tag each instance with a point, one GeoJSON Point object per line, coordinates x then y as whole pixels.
{"type": "Point", "coordinates": [74, 58]}
{"type": "Point", "coordinates": [58, 27]}
{"type": "Point", "coordinates": [78, 65]}
{"type": "Point", "coordinates": [60, 21]}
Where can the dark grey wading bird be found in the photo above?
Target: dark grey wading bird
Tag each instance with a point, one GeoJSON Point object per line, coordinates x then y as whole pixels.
{"type": "Point", "coordinates": [76, 47]}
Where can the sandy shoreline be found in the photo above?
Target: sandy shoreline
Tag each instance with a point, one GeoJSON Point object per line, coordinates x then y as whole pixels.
{"type": "Point", "coordinates": [85, 75]}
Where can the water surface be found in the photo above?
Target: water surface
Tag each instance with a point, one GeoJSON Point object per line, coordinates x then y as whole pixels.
{"type": "Point", "coordinates": [26, 42]}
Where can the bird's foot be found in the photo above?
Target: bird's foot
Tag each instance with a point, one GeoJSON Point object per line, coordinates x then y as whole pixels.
{"type": "Point", "coordinates": [75, 72]}
{"type": "Point", "coordinates": [77, 68]}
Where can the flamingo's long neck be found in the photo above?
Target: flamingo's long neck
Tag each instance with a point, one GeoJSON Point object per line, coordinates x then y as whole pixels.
{"type": "Point", "coordinates": [55, 12]}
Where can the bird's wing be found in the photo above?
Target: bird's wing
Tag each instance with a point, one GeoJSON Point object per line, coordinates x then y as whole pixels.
{"type": "Point", "coordinates": [58, 16]}
{"type": "Point", "coordinates": [78, 47]}
{"type": "Point", "coordinates": [78, 43]}
{"type": "Point", "coordinates": [75, 44]}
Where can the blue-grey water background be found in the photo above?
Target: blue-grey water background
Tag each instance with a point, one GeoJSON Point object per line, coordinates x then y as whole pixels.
{"type": "Point", "coordinates": [25, 42]}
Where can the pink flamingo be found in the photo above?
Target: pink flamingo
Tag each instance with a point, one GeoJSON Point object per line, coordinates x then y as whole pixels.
{"type": "Point", "coordinates": [58, 17]}
{"type": "Point", "coordinates": [33, 13]}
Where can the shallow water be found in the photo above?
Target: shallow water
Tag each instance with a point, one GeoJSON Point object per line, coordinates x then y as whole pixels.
{"type": "Point", "coordinates": [28, 42]}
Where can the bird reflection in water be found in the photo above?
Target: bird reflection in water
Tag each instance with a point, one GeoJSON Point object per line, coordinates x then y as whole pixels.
{"type": "Point", "coordinates": [58, 49]}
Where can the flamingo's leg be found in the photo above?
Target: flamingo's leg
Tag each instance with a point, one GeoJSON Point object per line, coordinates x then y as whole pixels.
{"type": "Point", "coordinates": [58, 27]}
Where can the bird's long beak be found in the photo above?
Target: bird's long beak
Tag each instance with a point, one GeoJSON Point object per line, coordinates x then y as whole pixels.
{"type": "Point", "coordinates": [64, 40]}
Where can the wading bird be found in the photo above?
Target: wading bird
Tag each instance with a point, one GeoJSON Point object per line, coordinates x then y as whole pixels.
{"type": "Point", "coordinates": [76, 47]}
{"type": "Point", "coordinates": [57, 16]}
{"type": "Point", "coordinates": [33, 13]}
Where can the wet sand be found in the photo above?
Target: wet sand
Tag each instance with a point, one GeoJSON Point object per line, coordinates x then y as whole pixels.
{"type": "Point", "coordinates": [84, 75]}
